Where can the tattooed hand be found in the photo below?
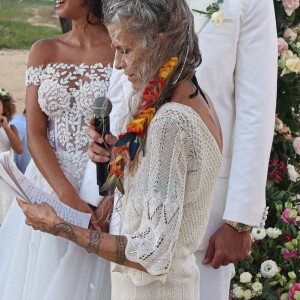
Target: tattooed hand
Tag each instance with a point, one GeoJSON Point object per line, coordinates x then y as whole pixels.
{"type": "Point", "coordinates": [40, 216]}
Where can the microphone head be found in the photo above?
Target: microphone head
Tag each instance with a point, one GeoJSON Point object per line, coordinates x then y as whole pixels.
{"type": "Point", "coordinates": [102, 107]}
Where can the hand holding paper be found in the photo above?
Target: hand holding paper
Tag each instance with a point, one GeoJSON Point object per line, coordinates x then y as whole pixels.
{"type": "Point", "coordinates": [13, 182]}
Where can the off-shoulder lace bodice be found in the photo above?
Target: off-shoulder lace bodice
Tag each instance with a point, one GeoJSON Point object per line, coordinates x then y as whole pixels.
{"type": "Point", "coordinates": [66, 93]}
{"type": "Point", "coordinates": [165, 211]}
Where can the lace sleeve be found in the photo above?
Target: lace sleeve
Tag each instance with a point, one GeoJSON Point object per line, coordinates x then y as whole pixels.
{"type": "Point", "coordinates": [33, 76]}
{"type": "Point", "coordinates": [153, 244]}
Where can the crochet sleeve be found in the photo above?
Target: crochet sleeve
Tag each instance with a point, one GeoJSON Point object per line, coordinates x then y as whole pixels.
{"type": "Point", "coordinates": [152, 245]}
{"type": "Point", "coordinates": [33, 76]}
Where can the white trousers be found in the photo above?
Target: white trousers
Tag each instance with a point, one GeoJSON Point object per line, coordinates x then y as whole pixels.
{"type": "Point", "coordinates": [214, 283]}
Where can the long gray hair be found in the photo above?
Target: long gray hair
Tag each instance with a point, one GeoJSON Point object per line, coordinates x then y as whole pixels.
{"type": "Point", "coordinates": [165, 29]}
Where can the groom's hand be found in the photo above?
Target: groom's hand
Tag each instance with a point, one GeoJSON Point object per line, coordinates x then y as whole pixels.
{"type": "Point", "coordinates": [226, 246]}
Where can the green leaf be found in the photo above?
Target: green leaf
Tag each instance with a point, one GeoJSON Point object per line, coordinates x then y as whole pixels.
{"type": "Point", "coordinates": [294, 230]}
{"type": "Point", "coordinates": [200, 11]}
{"type": "Point", "coordinates": [142, 144]}
{"type": "Point", "coordinates": [119, 185]}
{"type": "Point", "coordinates": [109, 182]}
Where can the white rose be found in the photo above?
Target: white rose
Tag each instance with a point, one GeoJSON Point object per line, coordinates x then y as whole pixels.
{"type": "Point", "coordinates": [268, 269]}
{"type": "Point", "coordinates": [218, 17]}
{"type": "Point", "coordinates": [247, 294]}
{"type": "Point", "coordinates": [258, 233]}
{"type": "Point", "coordinates": [284, 297]}
{"type": "Point", "coordinates": [273, 233]}
{"type": "Point", "coordinates": [282, 62]}
{"type": "Point", "coordinates": [287, 54]}
{"type": "Point", "coordinates": [293, 174]}
{"type": "Point", "coordinates": [290, 6]}
{"type": "Point", "coordinates": [296, 145]}
{"type": "Point", "coordinates": [298, 45]}
{"type": "Point", "coordinates": [257, 286]}
{"type": "Point", "coordinates": [293, 64]}
{"type": "Point", "coordinates": [238, 292]}
{"type": "Point", "coordinates": [245, 277]}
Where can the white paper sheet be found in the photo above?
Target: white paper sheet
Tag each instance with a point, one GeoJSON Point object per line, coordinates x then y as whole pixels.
{"type": "Point", "coordinates": [15, 183]}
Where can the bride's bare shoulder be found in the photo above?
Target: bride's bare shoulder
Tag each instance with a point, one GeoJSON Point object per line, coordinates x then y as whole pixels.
{"type": "Point", "coordinates": [43, 51]}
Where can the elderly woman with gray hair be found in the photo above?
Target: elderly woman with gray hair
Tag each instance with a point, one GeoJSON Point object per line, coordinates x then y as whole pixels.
{"type": "Point", "coordinates": [166, 162]}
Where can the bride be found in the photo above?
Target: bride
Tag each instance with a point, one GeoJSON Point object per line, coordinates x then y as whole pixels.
{"type": "Point", "coordinates": [64, 76]}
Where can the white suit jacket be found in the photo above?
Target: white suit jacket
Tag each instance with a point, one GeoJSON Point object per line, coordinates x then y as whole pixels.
{"type": "Point", "coordinates": [239, 73]}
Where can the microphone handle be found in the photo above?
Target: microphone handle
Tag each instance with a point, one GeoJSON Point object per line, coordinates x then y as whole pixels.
{"type": "Point", "coordinates": [102, 127]}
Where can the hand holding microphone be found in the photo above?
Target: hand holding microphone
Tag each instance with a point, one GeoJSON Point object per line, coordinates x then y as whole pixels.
{"type": "Point", "coordinates": [102, 107]}
{"type": "Point", "coordinates": [96, 152]}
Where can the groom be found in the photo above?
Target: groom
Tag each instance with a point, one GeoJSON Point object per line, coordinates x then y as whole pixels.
{"type": "Point", "coordinates": [239, 73]}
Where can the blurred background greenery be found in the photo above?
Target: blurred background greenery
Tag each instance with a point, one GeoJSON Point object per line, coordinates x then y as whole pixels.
{"type": "Point", "coordinates": [24, 22]}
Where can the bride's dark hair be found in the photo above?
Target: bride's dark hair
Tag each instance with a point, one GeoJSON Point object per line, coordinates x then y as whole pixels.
{"type": "Point", "coordinates": [95, 10]}
{"type": "Point", "coordinates": [93, 17]}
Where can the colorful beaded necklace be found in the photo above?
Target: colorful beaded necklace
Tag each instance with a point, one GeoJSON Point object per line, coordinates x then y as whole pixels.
{"type": "Point", "coordinates": [133, 140]}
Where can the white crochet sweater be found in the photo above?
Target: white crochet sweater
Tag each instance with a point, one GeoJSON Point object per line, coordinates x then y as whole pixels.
{"type": "Point", "coordinates": [166, 207]}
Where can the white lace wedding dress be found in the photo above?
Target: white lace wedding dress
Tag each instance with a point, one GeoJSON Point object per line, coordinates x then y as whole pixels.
{"type": "Point", "coordinates": [5, 199]}
{"type": "Point", "coordinates": [35, 265]}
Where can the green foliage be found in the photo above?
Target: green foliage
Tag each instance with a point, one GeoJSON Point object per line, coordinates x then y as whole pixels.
{"type": "Point", "coordinates": [21, 36]}
{"type": "Point", "coordinates": [23, 23]}
{"type": "Point", "coordinates": [283, 185]}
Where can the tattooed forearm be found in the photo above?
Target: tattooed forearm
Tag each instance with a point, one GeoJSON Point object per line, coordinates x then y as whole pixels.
{"type": "Point", "coordinates": [120, 250]}
{"type": "Point", "coordinates": [109, 247]}
{"type": "Point", "coordinates": [94, 243]}
{"type": "Point", "coordinates": [64, 229]}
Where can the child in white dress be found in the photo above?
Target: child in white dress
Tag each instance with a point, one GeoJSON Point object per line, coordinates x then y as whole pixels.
{"type": "Point", "coordinates": [9, 140]}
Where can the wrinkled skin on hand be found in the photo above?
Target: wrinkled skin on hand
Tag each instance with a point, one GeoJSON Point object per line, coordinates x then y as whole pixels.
{"type": "Point", "coordinates": [40, 216]}
{"type": "Point", "coordinates": [95, 151]}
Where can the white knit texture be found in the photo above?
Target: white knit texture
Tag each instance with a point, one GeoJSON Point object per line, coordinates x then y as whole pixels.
{"type": "Point", "coordinates": [165, 211]}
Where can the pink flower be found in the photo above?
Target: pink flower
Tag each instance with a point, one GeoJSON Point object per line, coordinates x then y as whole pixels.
{"type": "Point", "coordinates": [287, 254]}
{"type": "Point", "coordinates": [290, 6]}
{"type": "Point", "coordinates": [293, 290]}
{"type": "Point", "coordinates": [288, 237]}
{"type": "Point", "coordinates": [282, 46]}
{"type": "Point", "coordinates": [288, 136]}
{"type": "Point", "coordinates": [290, 33]}
{"type": "Point", "coordinates": [278, 169]}
{"type": "Point", "coordinates": [276, 176]}
{"type": "Point", "coordinates": [296, 145]}
{"type": "Point", "coordinates": [273, 163]}
{"type": "Point", "coordinates": [285, 217]}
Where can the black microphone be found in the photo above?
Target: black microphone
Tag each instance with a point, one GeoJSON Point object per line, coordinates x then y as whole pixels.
{"type": "Point", "coordinates": [102, 107]}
